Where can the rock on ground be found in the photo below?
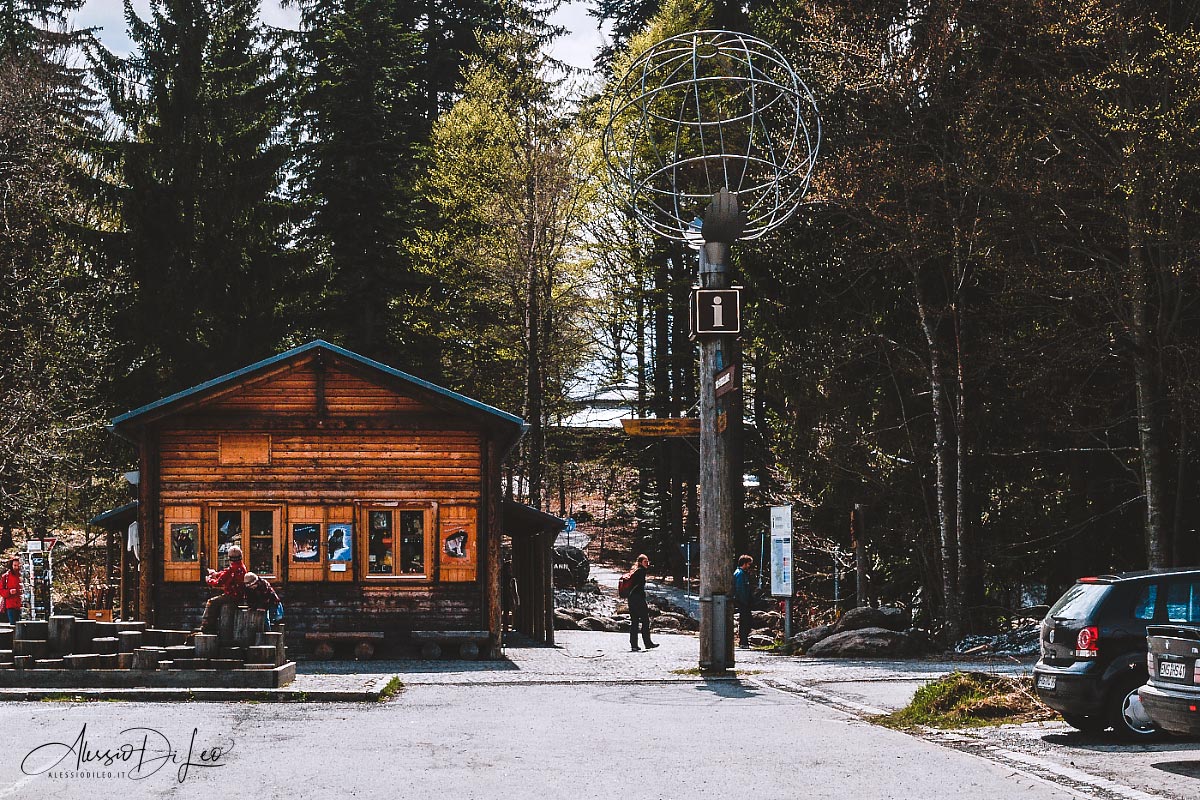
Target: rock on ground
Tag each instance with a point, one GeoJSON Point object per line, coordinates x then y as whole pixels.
{"type": "Point", "coordinates": [892, 619]}
{"type": "Point", "coordinates": [806, 639]}
{"type": "Point", "coordinates": [564, 621]}
{"type": "Point", "coordinates": [865, 642]}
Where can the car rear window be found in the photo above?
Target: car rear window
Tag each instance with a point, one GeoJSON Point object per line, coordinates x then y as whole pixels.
{"type": "Point", "coordinates": [1080, 601]}
{"type": "Point", "coordinates": [1183, 602]}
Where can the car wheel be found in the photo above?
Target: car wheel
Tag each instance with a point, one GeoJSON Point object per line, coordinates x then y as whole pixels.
{"type": "Point", "coordinates": [1086, 724]}
{"type": "Point", "coordinates": [1127, 714]}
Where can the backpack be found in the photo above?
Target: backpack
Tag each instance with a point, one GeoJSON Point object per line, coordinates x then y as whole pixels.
{"type": "Point", "coordinates": [625, 584]}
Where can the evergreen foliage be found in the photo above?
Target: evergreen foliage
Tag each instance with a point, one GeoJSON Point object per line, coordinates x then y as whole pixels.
{"type": "Point", "coordinates": [194, 167]}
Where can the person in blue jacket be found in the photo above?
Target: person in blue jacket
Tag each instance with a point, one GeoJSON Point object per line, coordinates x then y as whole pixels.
{"type": "Point", "coordinates": [743, 597]}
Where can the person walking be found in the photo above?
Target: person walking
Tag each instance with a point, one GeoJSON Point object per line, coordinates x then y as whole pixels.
{"type": "Point", "coordinates": [639, 612]}
{"type": "Point", "coordinates": [743, 596]}
{"type": "Point", "coordinates": [10, 591]}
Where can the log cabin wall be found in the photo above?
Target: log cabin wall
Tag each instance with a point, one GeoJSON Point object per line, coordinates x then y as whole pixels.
{"type": "Point", "coordinates": [369, 507]}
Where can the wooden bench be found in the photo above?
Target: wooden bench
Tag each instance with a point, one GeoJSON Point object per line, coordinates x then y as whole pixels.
{"type": "Point", "coordinates": [468, 642]}
{"type": "Point", "coordinates": [364, 642]}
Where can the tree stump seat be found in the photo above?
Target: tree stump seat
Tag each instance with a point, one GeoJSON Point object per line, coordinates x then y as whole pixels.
{"type": "Point", "coordinates": [364, 642]}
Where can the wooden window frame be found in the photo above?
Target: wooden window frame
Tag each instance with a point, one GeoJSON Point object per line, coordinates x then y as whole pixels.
{"type": "Point", "coordinates": [277, 523]}
{"type": "Point", "coordinates": [362, 541]}
{"type": "Point", "coordinates": [182, 571]}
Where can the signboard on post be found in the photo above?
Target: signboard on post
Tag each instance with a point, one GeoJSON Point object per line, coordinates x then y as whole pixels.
{"type": "Point", "coordinates": [715, 311]}
{"type": "Point", "coordinates": [781, 551]}
{"type": "Point", "coordinates": [662, 426]}
{"type": "Point", "coordinates": [728, 380]}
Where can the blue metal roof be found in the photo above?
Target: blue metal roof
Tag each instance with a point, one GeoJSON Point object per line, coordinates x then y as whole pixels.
{"type": "Point", "coordinates": [115, 518]}
{"type": "Point", "coordinates": [317, 344]}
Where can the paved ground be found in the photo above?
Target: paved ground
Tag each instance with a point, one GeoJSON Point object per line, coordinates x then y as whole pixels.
{"type": "Point", "coordinates": [693, 740]}
{"type": "Point", "coordinates": [589, 719]}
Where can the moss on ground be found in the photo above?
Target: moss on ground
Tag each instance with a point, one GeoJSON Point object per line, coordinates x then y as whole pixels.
{"type": "Point", "coordinates": [971, 700]}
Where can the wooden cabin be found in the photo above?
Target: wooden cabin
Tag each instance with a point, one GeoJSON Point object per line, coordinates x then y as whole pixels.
{"type": "Point", "coordinates": [370, 498]}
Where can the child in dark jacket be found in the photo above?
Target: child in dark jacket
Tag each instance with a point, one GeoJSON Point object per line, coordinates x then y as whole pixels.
{"type": "Point", "coordinates": [261, 595]}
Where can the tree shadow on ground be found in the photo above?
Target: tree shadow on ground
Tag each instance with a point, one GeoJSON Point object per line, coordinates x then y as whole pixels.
{"type": "Point", "coordinates": [727, 688]}
{"type": "Point", "coordinates": [1188, 769]}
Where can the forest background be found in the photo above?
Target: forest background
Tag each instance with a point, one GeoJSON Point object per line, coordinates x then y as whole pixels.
{"type": "Point", "coordinates": [980, 329]}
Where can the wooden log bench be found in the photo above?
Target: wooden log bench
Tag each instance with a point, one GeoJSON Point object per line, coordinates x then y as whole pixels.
{"type": "Point", "coordinates": [469, 642]}
{"type": "Point", "coordinates": [365, 642]}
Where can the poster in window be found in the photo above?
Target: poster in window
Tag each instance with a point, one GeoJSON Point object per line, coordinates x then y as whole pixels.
{"type": "Point", "coordinates": [379, 543]}
{"type": "Point", "coordinates": [412, 542]}
{"type": "Point", "coordinates": [341, 542]}
{"type": "Point", "coordinates": [183, 541]}
{"type": "Point", "coordinates": [229, 533]}
{"type": "Point", "coordinates": [456, 544]}
{"type": "Point", "coordinates": [306, 542]}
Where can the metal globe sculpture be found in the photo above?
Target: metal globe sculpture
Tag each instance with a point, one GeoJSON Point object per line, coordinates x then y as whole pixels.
{"type": "Point", "coordinates": [705, 111]}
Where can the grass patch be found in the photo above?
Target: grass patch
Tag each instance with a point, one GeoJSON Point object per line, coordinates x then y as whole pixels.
{"type": "Point", "coordinates": [78, 698]}
{"type": "Point", "coordinates": [696, 672]}
{"type": "Point", "coordinates": [971, 700]}
{"type": "Point", "coordinates": [392, 688]}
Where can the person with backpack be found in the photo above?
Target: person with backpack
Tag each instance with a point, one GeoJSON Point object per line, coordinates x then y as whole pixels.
{"type": "Point", "coordinates": [634, 583]}
{"type": "Point", "coordinates": [261, 596]}
{"type": "Point", "coordinates": [10, 590]}
{"type": "Point", "coordinates": [743, 596]}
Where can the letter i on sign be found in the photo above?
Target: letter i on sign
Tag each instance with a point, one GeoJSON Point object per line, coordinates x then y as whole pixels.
{"type": "Point", "coordinates": [718, 313]}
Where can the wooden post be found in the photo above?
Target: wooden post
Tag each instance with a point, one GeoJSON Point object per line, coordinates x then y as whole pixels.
{"type": "Point", "coordinates": [546, 542]}
{"type": "Point", "coordinates": [62, 634]}
{"type": "Point", "coordinates": [147, 524]}
{"type": "Point", "coordinates": [247, 625]}
{"type": "Point", "coordinates": [492, 586]}
{"type": "Point", "coordinates": [716, 495]}
{"type": "Point", "coordinates": [206, 645]}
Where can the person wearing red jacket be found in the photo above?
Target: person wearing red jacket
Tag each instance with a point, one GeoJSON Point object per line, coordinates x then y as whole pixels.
{"type": "Point", "coordinates": [10, 590]}
{"type": "Point", "coordinates": [232, 583]}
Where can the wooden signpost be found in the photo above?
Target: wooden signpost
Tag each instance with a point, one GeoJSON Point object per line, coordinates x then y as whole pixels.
{"type": "Point", "coordinates": [662, 426]}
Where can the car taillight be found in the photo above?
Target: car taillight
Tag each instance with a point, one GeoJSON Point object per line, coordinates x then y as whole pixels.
{"type": "Point", "coordinates": [1085, 643]}
{"type": "Point", "coordinates": [1150, 664]}
{"type": "Point", "coordinates": [1196, 672]}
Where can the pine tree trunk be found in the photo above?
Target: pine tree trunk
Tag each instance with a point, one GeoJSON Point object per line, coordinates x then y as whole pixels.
{"type": "Point", "coordinates": [945, 461]}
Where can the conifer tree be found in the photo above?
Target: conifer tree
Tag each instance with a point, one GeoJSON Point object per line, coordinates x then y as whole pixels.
{"type": "Point", "coordinates": [194, 172]}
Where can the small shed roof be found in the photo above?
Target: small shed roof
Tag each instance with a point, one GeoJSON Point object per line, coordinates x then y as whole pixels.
{"type": "Point", "coordinates": [116, 519]}
{"type": "Point", "coordinates": [168, 405]}
{"type": "Point", "coordinates": [523, 520]}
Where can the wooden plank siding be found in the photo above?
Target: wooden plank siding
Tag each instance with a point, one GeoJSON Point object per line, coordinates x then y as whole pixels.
{"type": "Point", "coordinates": [316, 442]}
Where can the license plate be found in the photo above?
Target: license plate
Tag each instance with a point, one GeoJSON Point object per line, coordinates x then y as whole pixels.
{"type": "Point", "coordinates": [1046, 681]}
{"type": "Point", "coordinates": [1172, 669]}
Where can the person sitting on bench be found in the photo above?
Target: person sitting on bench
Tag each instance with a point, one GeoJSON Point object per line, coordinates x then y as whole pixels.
{"type": "Point", "coordinates": [260, 595]}
{"type": "Point", "coordinates": [232, 583]}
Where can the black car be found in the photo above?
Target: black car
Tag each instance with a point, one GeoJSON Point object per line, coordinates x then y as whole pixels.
{"type": "Point", "coordinates": [1094, 649]}
{"type": "Point", "coordinates": [1172, 696]}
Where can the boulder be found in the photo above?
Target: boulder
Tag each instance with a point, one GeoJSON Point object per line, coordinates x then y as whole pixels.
{"type": "Point", "coordinates": [892, 619]}
{"type": "Point", "coordinates": [564, 621]}
{"type": "Point", "coordinates": [575, 614]}
{"type": "Point", "coordinates": [761, 640]}
{"type": "Point", "coordinates": [863, 643]}
{"type": "Point", "coordinates": [593, 624]}
{"type": "Point", "coordinates": [666, 622]}
{"type": "Point", "coordinates": [766, 619]}
{"type": "Point", "coordinates": [806, 639]}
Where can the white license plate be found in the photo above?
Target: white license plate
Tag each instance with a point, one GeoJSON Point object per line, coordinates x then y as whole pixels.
{"type": "Point", "coordinates": [1046, 681]}
{"type": "Point", "coordinates": [1172, 669]}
